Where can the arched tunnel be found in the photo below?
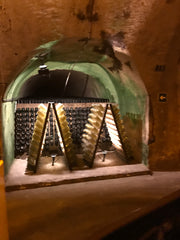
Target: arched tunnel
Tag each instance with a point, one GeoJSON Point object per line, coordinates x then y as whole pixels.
{"type": "Point", "coordinates": [64, 83]}
{"type": "Point", "coordinates": [79, 76]}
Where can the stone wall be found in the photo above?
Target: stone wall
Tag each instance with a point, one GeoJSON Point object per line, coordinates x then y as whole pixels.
{"type": "Point", "coordinates": [150, 29]}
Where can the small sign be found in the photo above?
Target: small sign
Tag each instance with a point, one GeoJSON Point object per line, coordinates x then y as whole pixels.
{"type": "Point", "coordinates": [160, 68]}
{"type": "Point", "coordinates": [162, 97]}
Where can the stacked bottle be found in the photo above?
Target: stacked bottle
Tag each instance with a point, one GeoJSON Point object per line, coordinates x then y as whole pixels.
{"type": "Point", "coordinates": [24, 126]}
{"type": "Point", "coordinates": [112, 129]}
{"type": "Point", "coordinates": [50, 132]}
{"type": "Point", "coordinates": [91, 133]}
{"type": "Point", "coordinates": [77, 118]}
{"type": "Point", "coordinates": [123, 136]}
{"type": "Point", "coordinates": [35, 146]}
{"type": "Point", "coordinates": [65, 138]}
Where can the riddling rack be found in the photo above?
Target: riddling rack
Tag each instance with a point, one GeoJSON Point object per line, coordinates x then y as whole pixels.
{"type": "Point", "coordinates": [100, 115]}
{"type": "Point", "coordinates": [25, 118]}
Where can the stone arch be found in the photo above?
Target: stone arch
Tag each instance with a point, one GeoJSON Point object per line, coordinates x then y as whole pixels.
{"type": "Point", "coordinates": [117, 86]}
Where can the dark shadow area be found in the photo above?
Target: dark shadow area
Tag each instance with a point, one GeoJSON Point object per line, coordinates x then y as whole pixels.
{"type": "Point", "coordinates": [161, 221]}
{"type": "Point", "coordinates": [58, 83]}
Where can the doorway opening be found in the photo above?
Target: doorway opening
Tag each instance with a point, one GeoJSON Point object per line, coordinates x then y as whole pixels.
{"type": "Point", "coordinates": [77, 84]}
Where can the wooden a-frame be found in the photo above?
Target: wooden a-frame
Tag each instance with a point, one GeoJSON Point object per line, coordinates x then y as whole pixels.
{"type": "Point", "coordinates": [109, 113]}
{"type": "Point", "coordinates": [39, 134]}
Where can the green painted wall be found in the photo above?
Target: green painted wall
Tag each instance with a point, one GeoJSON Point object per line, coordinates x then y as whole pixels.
{"type": "Point", "coordinates": [116, 86]}
{"type": "Point", "coordinates": [8, 133]}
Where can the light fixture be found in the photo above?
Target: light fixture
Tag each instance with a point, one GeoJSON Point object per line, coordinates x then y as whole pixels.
{"type": "Point", "coordinates": [43, 69]}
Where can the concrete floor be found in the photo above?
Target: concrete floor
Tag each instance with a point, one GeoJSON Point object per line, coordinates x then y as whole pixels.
{"type": "Point", "coordinates": [48, 175]}
{"type": "Point", "coordinates": [83, 210]}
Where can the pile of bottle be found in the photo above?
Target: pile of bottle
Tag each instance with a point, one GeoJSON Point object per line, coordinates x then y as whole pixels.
{"type": "Point", "coordinates": [77, 118]}
{"type": "Point", "coordinates": [61, 100]}
{"type": "Point", "coordinates": [65, 138]}
{"type": "Point", "coordinates": [51, 138]}
{"type": "Point", "coordinates": [122, 134]}
{"type": "Point", "coordinates": [24, 126]}
{"type": "Point", "coordinates": [111, 125]}
{"type": "Point", "coordinates": [37, 138]}
{"type": "Point", "coordinates": [91, 133]}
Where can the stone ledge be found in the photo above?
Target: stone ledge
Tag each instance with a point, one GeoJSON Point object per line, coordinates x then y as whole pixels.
{"type": "Point", "coordinates": [47, 180]}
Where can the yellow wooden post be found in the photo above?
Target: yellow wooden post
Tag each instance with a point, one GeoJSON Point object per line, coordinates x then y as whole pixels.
{"type": "Point", "coordinates": [3, 211]}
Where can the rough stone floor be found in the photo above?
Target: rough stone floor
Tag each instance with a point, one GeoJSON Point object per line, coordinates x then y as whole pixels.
{"type": "Point", "coordinates": [83, 210]}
